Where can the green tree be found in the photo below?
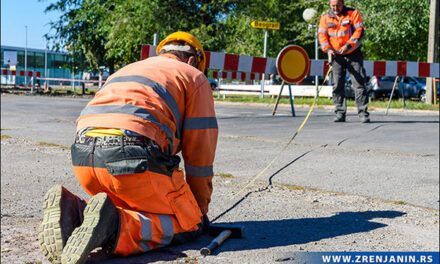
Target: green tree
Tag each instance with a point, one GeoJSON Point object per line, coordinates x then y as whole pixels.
{"type": "Point", "coordinates": [394, 29]}
{"type": "Point", "coordinates": [82, 28]}
{"type": "Point", "coordinates": [134, 23]}
{"type": "Point", "coordinates": [111, 32]}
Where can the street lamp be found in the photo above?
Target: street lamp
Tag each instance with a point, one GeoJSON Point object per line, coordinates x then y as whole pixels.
{"type": "Point", "coordinates": [25, 58]}
{"type": "Point", "coordinates": [308, 15]}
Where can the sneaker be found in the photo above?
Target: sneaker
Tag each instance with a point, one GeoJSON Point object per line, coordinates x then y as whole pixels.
{"type": "Point", "coordinates": [99, 228]}
{"type": "Point", "coordinates": [339, 119]}
{"type": "Point", "coordinates": [364, 119]}
{"type": "Point", "coordinates": [63, 212]}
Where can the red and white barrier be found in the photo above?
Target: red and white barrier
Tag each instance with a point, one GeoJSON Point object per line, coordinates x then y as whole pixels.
{"type": "Point", "coordinates": [70, 80]}
{"type": "Point", "coordinates": [243, 63]}
{"type": "Point", "coordinates": [6, 72]}
{"type": "Point", "coordinates": [227, 62]}
{"type": "Point", "coordinates": [385, 68]}
{"type": "Point", "coordinates": [244, 76]}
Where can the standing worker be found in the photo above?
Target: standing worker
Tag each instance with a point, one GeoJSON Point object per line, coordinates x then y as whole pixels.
{"type": "Point", "coordinates": [124, 156]}
{"type": "Point", "coordinates": [340, 33]}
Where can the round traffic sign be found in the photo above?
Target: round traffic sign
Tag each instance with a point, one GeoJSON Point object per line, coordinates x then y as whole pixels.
{"type": "Point", "coordinates": [293, 63]}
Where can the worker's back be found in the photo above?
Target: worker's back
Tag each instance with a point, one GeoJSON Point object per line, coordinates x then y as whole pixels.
{"type": "Point", "coordinates": [160, 90]}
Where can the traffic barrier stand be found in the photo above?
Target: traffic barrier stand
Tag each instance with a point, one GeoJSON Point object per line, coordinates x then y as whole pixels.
{"type": "Point", "coordinates": [391, 96]}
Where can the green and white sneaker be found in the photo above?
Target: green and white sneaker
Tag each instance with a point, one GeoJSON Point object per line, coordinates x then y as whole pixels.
{"type": "Point", "coordinates": [63, 212]}
{"type": "Point", "coordinates": [99, 229]}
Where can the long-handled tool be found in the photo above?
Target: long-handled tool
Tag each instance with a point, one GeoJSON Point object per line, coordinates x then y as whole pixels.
{"type": "Point", "coordinates": [223, 232]}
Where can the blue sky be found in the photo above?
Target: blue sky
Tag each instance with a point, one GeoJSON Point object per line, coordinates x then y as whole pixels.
{"type": "Point", "coordinates": [16, 14]}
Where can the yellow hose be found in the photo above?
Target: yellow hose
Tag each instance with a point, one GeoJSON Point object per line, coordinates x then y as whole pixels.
{"type": "Point", "coordinates": [288, 143]}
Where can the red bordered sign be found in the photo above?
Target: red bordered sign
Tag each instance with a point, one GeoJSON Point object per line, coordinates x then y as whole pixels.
{"type": "Point", "coordinates": [293, 63]}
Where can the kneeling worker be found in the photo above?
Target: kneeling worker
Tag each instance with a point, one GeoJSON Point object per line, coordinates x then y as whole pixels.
{"type": "Point", "coordinates": [124, 156]}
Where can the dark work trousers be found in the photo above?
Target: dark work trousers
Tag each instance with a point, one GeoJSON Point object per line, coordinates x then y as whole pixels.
{"type": "Point", "coordinates": [354, 64]}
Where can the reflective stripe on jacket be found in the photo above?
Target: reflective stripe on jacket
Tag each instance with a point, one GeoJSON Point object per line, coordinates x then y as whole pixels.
{"type": "Point", "coordinates": [169, 102]}
{"type": "Point", "coordinates": [336, 31]}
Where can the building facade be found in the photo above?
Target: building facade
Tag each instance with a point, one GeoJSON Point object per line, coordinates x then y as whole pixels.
{"type": "Point", "coordinates": [49, 63]}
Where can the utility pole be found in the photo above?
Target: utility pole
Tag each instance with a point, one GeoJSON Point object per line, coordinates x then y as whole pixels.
{"type": "Point", "coordinates": [25, 60]}
{"type": "Point", "coordinates": [264, 55]}
{"type": "Point", "coordinates": [45, 61]}
{"type": "Point", "coordinates": [155, 39]}
{"type": "Point", "coordinates": [316, 58]}
{"type": "Point", "coordinates": [432, 48]}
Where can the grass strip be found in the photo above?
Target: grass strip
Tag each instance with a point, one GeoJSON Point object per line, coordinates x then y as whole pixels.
{"type": "Point", "coordinates": [395, 104]}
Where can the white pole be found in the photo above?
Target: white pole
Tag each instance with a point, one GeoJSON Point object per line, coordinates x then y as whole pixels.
{"type": "Point", "coordinates": [45, 62]}
{"type": "Point", "coordinates": [73, 75]}
{"type": "Point", "coordinates": [264, 55]}
{"type": "Point", "coordinates": [45, 68]}
{"type": "Point", "coordinates": [316, 58]}
{"type": "Point", "coordinates": [25, 59]}
{"type": "Point", "coordinates": [155, 39]}
{"type": "Point", "coordinates": [219, 84]}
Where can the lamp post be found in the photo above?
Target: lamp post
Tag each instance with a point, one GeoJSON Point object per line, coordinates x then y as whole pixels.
{"type": "Point", "coordinates": [316, 58]}
{"type": "Point", "coordinates": [308, 15]}
{"type": "Point", "coordinates": [73, 74]}
{"type": "Point", "coordinates": [45, 61]}
{"type": "Point", "coordinates": [25, 58]}
{"type": "Point", "coordinates": [155, 39]}
{"type": "Point", "coordinates": [264, 55]}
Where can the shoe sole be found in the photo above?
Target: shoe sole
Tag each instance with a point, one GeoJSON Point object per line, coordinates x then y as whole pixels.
{"type": "Point", "coordinates": [91, 233]}
{"type": "Point", "coordinates": [50, 234]}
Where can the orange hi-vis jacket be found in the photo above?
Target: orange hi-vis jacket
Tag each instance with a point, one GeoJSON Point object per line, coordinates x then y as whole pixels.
{"type": "Point", "coordinates": [169, 102]}
{"type": "Point", "coordinates": [335, 31]}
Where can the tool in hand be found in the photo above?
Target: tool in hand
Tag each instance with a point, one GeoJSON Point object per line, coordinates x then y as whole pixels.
{"type": "Point", "coordinates": [223, 232]}
{"type": "Point", "coordinates": [330, 58]}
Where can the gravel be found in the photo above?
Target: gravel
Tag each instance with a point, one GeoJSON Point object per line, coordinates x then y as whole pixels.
{"type": "Point", "coordinates": [279, 218]}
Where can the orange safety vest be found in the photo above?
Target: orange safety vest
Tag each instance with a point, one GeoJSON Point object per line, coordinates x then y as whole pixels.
{"type": "Point", "coordinates": [336, 31]}
{"type": "Point", "coordinates": [169, 102]}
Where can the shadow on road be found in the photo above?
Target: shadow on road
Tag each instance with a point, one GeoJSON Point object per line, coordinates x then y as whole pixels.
{"type": "Point", "coordinates": [275, 233]}
{"type": "Point", "coordinates": [269, 234]}
{"type": "Point", "coordinates": [404, 122]}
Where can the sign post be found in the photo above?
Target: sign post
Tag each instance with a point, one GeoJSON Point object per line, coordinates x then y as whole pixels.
{"type": "Point", "coordinates": [293, 64]}
{"type": "Point", "coordinates": [265, 25]}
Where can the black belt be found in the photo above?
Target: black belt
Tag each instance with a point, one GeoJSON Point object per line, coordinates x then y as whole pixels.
{"type": "Point", "coordinates": [157, 161]}
{"type": "Point", "coordinates": [113, 141]}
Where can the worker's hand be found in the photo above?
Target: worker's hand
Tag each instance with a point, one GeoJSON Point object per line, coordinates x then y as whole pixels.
{"type": "Point", "coordinates": [331, 55]}
{"type": "Point", "coordinates": [344, 49]}
{"type": "Point", "coordinates": [331, 52]}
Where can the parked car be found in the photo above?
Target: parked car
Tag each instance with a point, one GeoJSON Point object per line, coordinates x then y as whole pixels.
{"type": "Point", "coordinates": [310, 80]}
{"type": "Point", "coordinates": [370, 84]}
{"type": "Point", "coordinates": [380, 86]}
{"type": "Point", "coordinates": [213, 84]}
{"type": "Point", "coordinates": [349, 91]}
{"type": "Point", "coordinates": [411, 87]}
{"type": "Point", "coordinates": [414, 87]}
{"type": "Point", "coordinates": [275, 80]}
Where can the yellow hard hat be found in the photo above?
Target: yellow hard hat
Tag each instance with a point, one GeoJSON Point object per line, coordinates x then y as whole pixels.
{"type": "Point", "coordinates": [191, 40]}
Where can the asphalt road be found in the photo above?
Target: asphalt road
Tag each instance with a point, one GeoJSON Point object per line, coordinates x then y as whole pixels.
{"type": "Point", "coordinates": [396, 157]}
{"type": "Point", "coordinates": [336, 187]}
